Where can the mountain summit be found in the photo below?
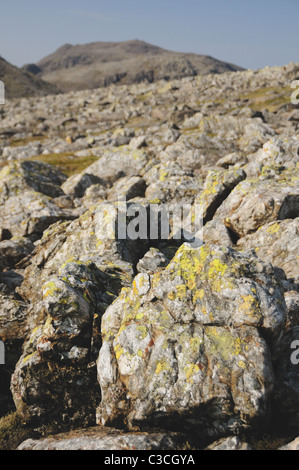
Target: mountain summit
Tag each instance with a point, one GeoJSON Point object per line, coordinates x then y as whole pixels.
{"type": "Point", "coordinates": [103, 63]}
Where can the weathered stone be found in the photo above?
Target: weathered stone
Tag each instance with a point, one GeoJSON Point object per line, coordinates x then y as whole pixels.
{"type": "Point", "coordinates": [153, 261]}
{"type": "Point", "coordinates": [76, 185]}
{"type": "Point", "coordinates": [15, 249]}
{"type": "Point", "coordinates": [256, 202]}
{"type": "Point", "coordinates": [180, 346]}
{"type": "Point", "coordinates": [218, 185]}
{"type": "Point", "coordinates": [294, 445]}
{"type": "Point", "coordinates": [229, 443]}
{"type": "Point", "coordinates": [100, 438]}
{"type": "Point", "coordinates": [30, 175]}
{"type": "Point", "coordinates": [276, 243]}
{"type": "Point", "coordinates": [117, 163]}
{"type": "Point", "coordinates": [30, 213]}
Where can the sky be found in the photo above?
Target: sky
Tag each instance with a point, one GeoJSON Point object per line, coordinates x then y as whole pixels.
{"type": "Point", "coordinates": [250, 33]}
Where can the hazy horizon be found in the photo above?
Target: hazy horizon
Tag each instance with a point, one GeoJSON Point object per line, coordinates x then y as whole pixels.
{"type": "Point", "coordinates": [252, 35]}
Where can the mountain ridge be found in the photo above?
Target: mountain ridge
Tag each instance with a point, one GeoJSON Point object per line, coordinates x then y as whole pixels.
{"type": "Point", "coordinates": [83, 66]}
{"type": "Point", "coordinates": [21, 83]}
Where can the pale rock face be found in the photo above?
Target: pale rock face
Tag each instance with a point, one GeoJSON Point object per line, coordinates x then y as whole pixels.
{"type": "Point", "coordinates": [276, 243]}
{"type": "Point", "coordinates": [256, 202]}
{"type": "Point", "coordinates": [184, 341]}
{"type": "Point", "coordinates": [230, 443]}
{"type": "Point", "coordinates": [100, 438]}
{"type": "Point", "coordinates": [294, 445]}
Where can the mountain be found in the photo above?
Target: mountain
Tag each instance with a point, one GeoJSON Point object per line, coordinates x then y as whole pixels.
{"type": "Point", "coordinates": [20, 83]}
{"type": "Point", "coordinates": [103, 63]}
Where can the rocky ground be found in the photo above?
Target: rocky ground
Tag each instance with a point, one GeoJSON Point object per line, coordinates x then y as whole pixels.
{"type": "Point", "coordinates": [151, 343]}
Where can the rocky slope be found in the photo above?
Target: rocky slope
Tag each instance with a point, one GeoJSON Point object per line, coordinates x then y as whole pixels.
{"type": "Point", "coordinates": [89, 66]}
{"type": "Point", "coordinates": [152, 341]}
{"type": "Point", "coordinates": [20, 83]}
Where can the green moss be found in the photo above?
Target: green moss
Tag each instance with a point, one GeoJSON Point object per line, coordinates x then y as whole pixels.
{"type": "Point", "coordinates": [13, 432]}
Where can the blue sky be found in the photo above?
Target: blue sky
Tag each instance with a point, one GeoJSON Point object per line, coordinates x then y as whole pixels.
{"type": "Point", "coordinates": [252, 33]}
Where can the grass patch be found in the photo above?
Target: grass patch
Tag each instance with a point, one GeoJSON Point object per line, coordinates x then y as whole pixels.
{"type": "Point", "coordinates": [67, 162]}
{"type": "Point", "coordinates": [26, 141]}
{"type": "Point", "coordinates": [271, 98]}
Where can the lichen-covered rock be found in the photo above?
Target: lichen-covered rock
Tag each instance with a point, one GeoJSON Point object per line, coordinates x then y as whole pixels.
{"type": "Point", "coordinates": [116, 163]}
{"type": "Point", "coordinates": [30, 175]}
{"type": "Point", "coordinates": [29, 213]}
{"type": "Point", "coordinates": [55, 377]}
{"type": "Point", "coordinates": [218, 185]}
{"type": "Point", "coordinates": [100, 438]}
{"type": "Point", "coordinates": [77, 271]}
{"type": "Point", "coordinates": [93, 237]}
{"type": "Point", "coordinates": [185, 345]}
{"type": "Point", "coordinates": [276, 154]}
{"type": "Point", "coordinates": [292, 303]}
{"type": "Point", "coordinates": [76, 185]}
{"type": "Point", "coordinates": [258, 201]}
{"type": "Point", "coordinates": [171, 183]}
{"type": "Point", "coordinates": [276, 243]}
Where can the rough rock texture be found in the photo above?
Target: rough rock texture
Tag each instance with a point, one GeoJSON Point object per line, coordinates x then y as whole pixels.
{"type": "Point", "coordinates": [276, 243]}
{"type": "Point", "coordinates": [294, 445]}
{"type": "Point", "coordinates": [108, 316]}
{"type": "Point", "coordinates": [229, 443]}
{"type": "Point", "coordinates": [99, 438]}
{"type": "Point", "coordinates": [255, 202]}
{"type": "Point", "coordinates": [186, 343]}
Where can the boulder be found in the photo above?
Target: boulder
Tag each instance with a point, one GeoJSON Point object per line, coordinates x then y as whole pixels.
{"type": "Point", "coordinates": [190, 346]}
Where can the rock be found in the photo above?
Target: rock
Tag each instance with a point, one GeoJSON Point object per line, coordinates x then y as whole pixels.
{"type": "Point", "coordinates": [100, 438]}
{"type": "Point", "coordinates": [294, 445]}
{"type": "Point", "coordinates": [152, 262]}
{"type": "Point", "coordinates": [93, 195]}
{"type": "Point", "coordinates": [276, 243]}
{"type": "Point", "coordinates": [128, 187]}
{"type": "Point", "coordinates": [216, 233]}
{"type": "Point", "coordinates": [218, 185]}
{"type": "Point", "coordinates": [30, 175]}
{"type": "Point", "coordinates": [137, 142]}
{"type": "Point", "coordinates": [76, 185]}
{"type": "Point", "coordinates": [256, 202]}
{"type": "Point", "coordinates": [292, 303]}
{"type": "Point", "coordinates": [15, 249]}
{"type": "Point", "coordinates": [56, 374]}
{"type": "Point", "coordinates": [229, 443]}
{"type": "Point", "coordinates": [275, 155]}
{"type": "Point", "coordinates": [170, 183]}
{"type": "Point", "coordinates": [93, 237]}
{"type": "Point", "coordinates": [185, 346]}
{"type": "Point", "coordinates": [84, 267]}
{"type": "Point", "coordinates": [231, 159]}
{"type": "Point", "coordinates": [29, 214]}
{"type": "Point", "coordinates": [117, 163]}
{"type": "Point", "coordinates": [13, 330]}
